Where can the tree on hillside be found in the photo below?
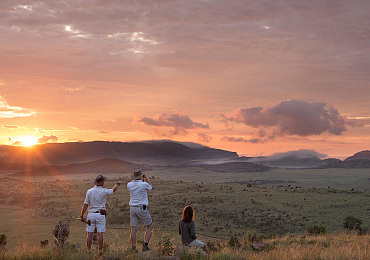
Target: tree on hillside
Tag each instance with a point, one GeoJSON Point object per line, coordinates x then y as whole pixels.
{"type": "Point", "coordinates": [352, 223]}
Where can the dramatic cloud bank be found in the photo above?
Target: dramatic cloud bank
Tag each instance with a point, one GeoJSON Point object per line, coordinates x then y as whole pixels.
{"type": "Point", "coordinates": [45, 139]}
{"type": "Point", "coordinates": [178, 121]}
{"type": "Point", "coordinates": [291, 117]}
{"type": "Point", "coordinates": [7, 111]}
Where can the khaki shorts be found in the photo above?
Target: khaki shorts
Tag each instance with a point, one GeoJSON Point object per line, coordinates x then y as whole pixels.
{"type": "Point", "coordinates": [97, 220]}
{"type": "Point", "coordinates": [138, 213]}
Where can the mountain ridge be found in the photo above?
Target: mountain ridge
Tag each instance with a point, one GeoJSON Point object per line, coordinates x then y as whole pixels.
{"type": "Point", "coordinates": [62, 154]}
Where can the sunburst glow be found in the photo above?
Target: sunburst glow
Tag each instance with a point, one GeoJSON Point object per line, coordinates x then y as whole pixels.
{"type": "Point", "coordinates": [29, 140]}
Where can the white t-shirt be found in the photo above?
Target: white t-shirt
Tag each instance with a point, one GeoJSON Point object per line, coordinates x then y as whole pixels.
{"type": "Point", "coordinates": [138, 194]}
{"type": "Point", "coordinates": [96, 198]}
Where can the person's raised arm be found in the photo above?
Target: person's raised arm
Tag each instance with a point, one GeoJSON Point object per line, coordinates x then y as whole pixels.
{"type": "Point", "coordinates": [147, 180]}
{"type": "Point", "coordinates": [116, 186]}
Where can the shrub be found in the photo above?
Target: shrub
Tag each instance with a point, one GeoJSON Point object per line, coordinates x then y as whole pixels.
{"type": "Point", "coordinates": [61, 233]}
{"type": "Point", "coordinates": [233, 242]}
{"type": "Point", "coordinates": [44, 243]}
{"type": "Point", "coordinates": [165, 246]}
{"type": "Point", "coordinates": [215, 245]}
{"type": "Point", "coordinates": [2, 241]}
{"type": "Point", "coordinates": [316, 230]}
{"type": "Point", "coordinates": [352, 223]}
{"type": "Point", "coordinates": [253, 236]}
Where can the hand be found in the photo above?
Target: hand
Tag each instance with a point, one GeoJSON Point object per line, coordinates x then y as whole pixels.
{"type": "Point", "coordinates": [82, 217]}
{"type": "Point", "coordinates": [119, 183]}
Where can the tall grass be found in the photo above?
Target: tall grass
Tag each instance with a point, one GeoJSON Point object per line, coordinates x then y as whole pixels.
{"type": "Point", "coordinates": [330, 246]}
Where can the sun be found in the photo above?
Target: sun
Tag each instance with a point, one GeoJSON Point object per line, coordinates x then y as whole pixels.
{"type": "Point", "coordinates": [29, 140]}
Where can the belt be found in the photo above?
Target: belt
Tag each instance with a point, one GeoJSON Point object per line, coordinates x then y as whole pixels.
{"type": "Point", "coordinates": [144, 207]}
{"type": "Point", "coordinates": [102, 211]}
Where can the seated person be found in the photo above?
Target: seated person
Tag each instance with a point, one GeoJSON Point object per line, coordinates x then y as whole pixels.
{"type": "Point", "coordinates": [187, 230]}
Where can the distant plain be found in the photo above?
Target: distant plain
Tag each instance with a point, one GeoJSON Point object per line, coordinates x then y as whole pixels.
{"type": "Point", "coordinates": [278, 201]}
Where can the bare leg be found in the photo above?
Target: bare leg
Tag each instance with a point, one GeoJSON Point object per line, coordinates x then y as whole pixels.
{"type": "Point", "coordinates": [89, 238]}
{"type": "Point", "coordinates": [133, 236]}
{"type": "Point", "coordinates": [100, 240]}
{"type": "Point", "coordinates": [148, 234]}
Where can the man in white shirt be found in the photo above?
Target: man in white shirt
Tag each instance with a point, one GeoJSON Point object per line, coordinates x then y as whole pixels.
{"type": "Point", "coordinates": [95, 202]}
{"type": "Point", "coordinates": [138, 188]}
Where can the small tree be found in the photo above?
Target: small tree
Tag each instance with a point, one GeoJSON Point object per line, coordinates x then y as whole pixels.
{"type": "Point", "coordinates": [316, 230]}
{"type": "Point", "coordinates": [164, 246]}
{"type": "Point", "coordinates": [352, 223]}
{"type": "Point", "coordinates": [3, 242]}
{"type": "Point", "coordinates": [61, 233]}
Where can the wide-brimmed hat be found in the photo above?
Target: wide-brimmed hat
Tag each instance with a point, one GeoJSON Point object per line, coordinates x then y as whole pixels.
{"type": "Point", "coordinates": [100, 179]}
{"type": "Point", "coordinates": [137, 174]}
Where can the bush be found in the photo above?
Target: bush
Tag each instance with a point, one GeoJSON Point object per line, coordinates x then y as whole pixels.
{"type": "Point", "coordinates": [61, 233]}
{"type": "Point", "coordinates": [316, 230]}
{"type": "Point", "coordinates": [352, 223]}
{"type": "Point", "coordinates": [2, 241]}
{"type": "Point", "coordinates": [253, 236]}
{"type": "Point", "coordinates": [233, 242]}
{"type": "Point", "coordinates": [215, 245]}
{"type": "Point", "coordinates": [165, 246]}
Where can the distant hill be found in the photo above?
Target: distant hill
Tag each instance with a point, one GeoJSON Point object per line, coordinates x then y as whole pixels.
{"type": "Point", "coordinates": [5, 166]}
{"type": "Point", "coordinates": [288, 161]}
{"type": "Point", "coordinates": [360, 155]}
{"type": "Point", "coordinates": [101, 166]}
{"type": "Point", "coordinates": [137, 152]}
{"type": "Point", "coordinates": [225, 167]}
{"type": "Point", "coordinates": [236, 167]}
{"type": "Point", "coordinates": [350, 164]}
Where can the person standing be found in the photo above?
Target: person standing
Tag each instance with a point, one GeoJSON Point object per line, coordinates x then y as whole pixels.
{"type": "Point", "coordinates": [95, 203]}
{"type": "Point", "coordinates": [138, 188]}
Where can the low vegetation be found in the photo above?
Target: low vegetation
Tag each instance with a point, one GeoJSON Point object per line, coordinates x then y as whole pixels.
{"type": "Point", "coordinates": [243, 218]}
{"type": "Point", "coordinates": [330, 246]}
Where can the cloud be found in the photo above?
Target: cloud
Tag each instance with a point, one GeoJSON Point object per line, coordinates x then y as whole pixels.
{"type": "Point", "coordinates": [7, 111]}
{"type": "Point", "coordinates": [204, 137]}
{"type": "Point", "coordinates": [179, 121]}
{"type": "Point", "coordinates": [241, 139]}
{"type": "Point", "coordinates": [10, 126]}
{"type": "Point", "coordinates": [17, 143]}
{"type": "Point", "coordinates": [45, 139]}
{"type": "Point", "coordinates": [39, 130]}
{"type": "Point", "coordinates": [291, 117]}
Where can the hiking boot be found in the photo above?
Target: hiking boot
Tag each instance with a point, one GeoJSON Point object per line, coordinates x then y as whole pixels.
{"type": "Point", "coordinates": [145, 247]}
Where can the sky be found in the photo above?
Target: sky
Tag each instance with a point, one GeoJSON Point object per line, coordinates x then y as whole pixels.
{"type": "Point", "coordinates": [254, 77]}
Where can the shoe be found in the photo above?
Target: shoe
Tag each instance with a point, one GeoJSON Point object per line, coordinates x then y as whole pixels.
{"type": "Point", "coordinates": [145, 247]}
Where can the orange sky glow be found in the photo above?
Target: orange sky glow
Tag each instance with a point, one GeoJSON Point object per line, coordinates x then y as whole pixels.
{"type": "Point", "coordinates": [254, 77]}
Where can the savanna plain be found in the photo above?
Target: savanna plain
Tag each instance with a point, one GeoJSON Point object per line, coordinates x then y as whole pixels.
{"type": "Point", "coordinates": [258, 215]}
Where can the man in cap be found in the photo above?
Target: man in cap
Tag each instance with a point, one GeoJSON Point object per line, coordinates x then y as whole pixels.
{"type": "Point", "coordinates": [95, 202]}
{"type": "Point", "coordinates": [138, 188]}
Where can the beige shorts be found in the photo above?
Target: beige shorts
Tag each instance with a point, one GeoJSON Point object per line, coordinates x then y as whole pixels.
{"type": "Point", "coordinates": [138, 213]}
{"type": "Point", "coordinates": [196, 243]}
{"type": "Point", "coordinates": [97, 220]}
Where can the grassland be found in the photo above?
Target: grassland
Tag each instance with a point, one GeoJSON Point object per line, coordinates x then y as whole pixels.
{"type": "Point", "coordinates": [279, 202]}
